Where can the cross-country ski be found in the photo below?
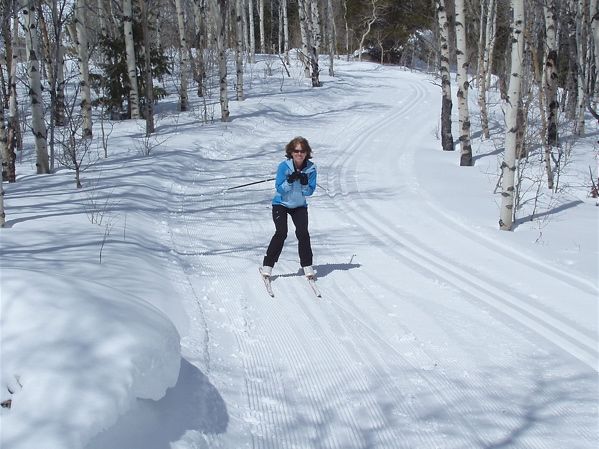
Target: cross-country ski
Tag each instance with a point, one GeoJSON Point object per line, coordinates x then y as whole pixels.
{"type": "Point", "coordinates": [267, 282]}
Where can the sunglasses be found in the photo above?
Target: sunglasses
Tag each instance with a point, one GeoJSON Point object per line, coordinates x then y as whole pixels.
{"type": "Point", "coordinates": [299, 151]}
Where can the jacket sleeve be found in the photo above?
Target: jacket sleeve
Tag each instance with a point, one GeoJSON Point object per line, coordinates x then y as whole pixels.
{"type": "Point", "coordinates": [308, 189]}
{"type": "Point", "coordinates": [281, 184]}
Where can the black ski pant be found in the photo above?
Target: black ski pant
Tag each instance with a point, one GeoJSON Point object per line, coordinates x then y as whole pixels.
{"type": "Point", "coordinates": [299, 215]}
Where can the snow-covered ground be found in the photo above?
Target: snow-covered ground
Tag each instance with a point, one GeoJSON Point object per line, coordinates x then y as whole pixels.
{"type": "Point", "coordinates": [133, 315]}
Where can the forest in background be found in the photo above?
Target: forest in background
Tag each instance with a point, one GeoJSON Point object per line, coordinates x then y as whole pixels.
{"type": "Point", "coordinates": [85, 63]}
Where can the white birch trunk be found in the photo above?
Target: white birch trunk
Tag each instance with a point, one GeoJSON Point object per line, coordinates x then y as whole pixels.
{"type": "Point", "coordinates": [14, 132]}
{"type": "Point", "coordinates": [315, 34]}
{"type": "Point", "coordinates": [581, 42]}
{"type": "Point", "coordinates": [3, 152]}
{"type": "Point", "coordinates": [446, 101]}
{"type": "Point", "coordinates": [35, 91]}
{"type": "Point", "coordinates": [199, 14]}
{"type": "Point", "coordinates": [60, 114]}
{"type": "Point", "coordinates": [3, 156]}
{"type": "Point", "coordinates": [246, 37]}
{"type": "Point", "coordinates": [315, 24]}
{"type": "Point", "coordinates": [239, 49]}
{"type": "Point", "coordinates": [594, 18]}
{"type": "Point", "coordinates": [149, 81]}
{"type": "Point", "coordinates": [484, 63]}
{"type": "Point", "coordinates": [217, 13]}
{"type": "Point", "coordinates": [481, 39]}
{"type": "Point", "coordinates": [550, 72]}
{"type": "Point", "coordinates": [331, 36]}
{"type": "Point", "coordinates": [83, 59]}
{"type": "Point", "coordinates": [2, 213]}
{"type": "Point", "coordinates": [45, 46]}
{"type": "Point", "coordinates": [463, 84]}
{"type": "Point", "coordinates": [262, 19]}
{"type": "Point", "coordinates": [508, 166]}
{"type": "Point", "coordinates": [252, 48]}
{"type": "Point", "coordinates": [280, 29]}
{"type": "Point", "coordinates": [285, 30]}
{"type": "Point", "coordinates": [131, 62]}
{"type": "Point", "coordinates": [491, 43]}
{"type": "Point", "coordinates": [305, 34]}
{"type": "Point", "coordinates": [184, 57]}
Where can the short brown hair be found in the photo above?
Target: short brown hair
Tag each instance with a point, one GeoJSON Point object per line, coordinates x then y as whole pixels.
{"type": "Point", "coordinates": [302, 142]}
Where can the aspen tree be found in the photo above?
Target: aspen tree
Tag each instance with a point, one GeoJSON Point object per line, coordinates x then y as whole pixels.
{"type": "Point", "coordinates": [252, 49]}
{"type": "Point", "coordinates": [487, 36]}
{"type": "Point", "coordinates": [239, 49]}
{"type": "Point", "coordinates": [305, 34]}
{"type": "Point", "coordinates": [315, 37]}
{"type": "Point", "coordinates": [46, 52]}
{"type": "Point", "coordinates": [285, 30]}
{"type": "Point", "coordinates": [568, 17]}
{"type": "Point", "coordinates": [315, 24]}
{"type": "Point", "coordinates": [261, 26]}
{"type": "Point", "coordinates": [280, 29]}
{"type": "Point", "coordinates": [131, 62]}
{"type": "Point", "coordinates": [508, 166]}
{"type": "Point", "coordinates": [83, 59]}
{"type": "Point", "coordinates": [3, 84]}
{"type": "Point", "coordinates": [594, 18]}
{"type": "Point", "coordinates": [217, 14]}
{"type": "Point", "coordinates": [2, 213]}
{"type": "Point", "coordinates": [3, 154]}
{"type": "Point", "coordinates": [183, 56]}
{"type": "Point", "coordinates": [550, 72]}
{"type": "Point", "coordinates": [54, 55]}
{"type": "Point", "coordinates": [149, 82]}
{"type": "Point", "coordinates": [58, 86]}
{"type": "Point", "coordinates": [481, 38]}
{"type": "Point", "coordinates": [246, 32]}
{"type": "Point", "coordinates": [331, 35]}
{"type": "Point", "coordinates": [446, 101]}
{"type": "Point", "coordinates": [346, 29]}
{"type": "Point", "coordinates": [35, 90]}
{"type": "Point", "coordinates": [13, 131]}
{"type": "Point", "coordinates": [490, 46]}
{"type": "Point", "coordinates": [463, 84]}
{"type": "Point", "coordinates": [199, 14]}
{"type": "Point", "coordinates": [16, 139]}
{"type": "Point", "coordinates": [582, 25]}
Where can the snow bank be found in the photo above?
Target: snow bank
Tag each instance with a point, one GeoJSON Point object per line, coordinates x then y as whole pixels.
{"type": "Point", "coordinates": [81, 353]}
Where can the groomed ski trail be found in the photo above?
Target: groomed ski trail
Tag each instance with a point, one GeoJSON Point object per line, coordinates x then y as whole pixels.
{"type": "Point", "coordinates": [277, 363]}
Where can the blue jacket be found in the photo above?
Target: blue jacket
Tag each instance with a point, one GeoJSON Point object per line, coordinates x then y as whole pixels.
{"type": "Point", "coordinates": [293, 195]}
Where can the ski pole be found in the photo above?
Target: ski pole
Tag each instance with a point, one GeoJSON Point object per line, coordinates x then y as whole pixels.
{"type": "Point", "coordinates": [250, 184]}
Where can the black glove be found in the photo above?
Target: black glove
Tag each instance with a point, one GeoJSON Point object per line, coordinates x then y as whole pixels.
{"type": "Point", "coordinates": [303, 179]}
{"type": "Point", "coordinates": [293, 177]}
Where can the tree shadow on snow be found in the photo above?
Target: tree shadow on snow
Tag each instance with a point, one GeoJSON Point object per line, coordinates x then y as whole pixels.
{"type": "Point", "coordinates": [553, 211]}
{"type": "Point", "coordinates": [193, 404]}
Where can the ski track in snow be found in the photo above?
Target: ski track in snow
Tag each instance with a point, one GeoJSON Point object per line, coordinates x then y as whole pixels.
{"type": "Point", "coordinates": [276, 362]}
{"type": "Point", "coordinates": [550, 326]}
